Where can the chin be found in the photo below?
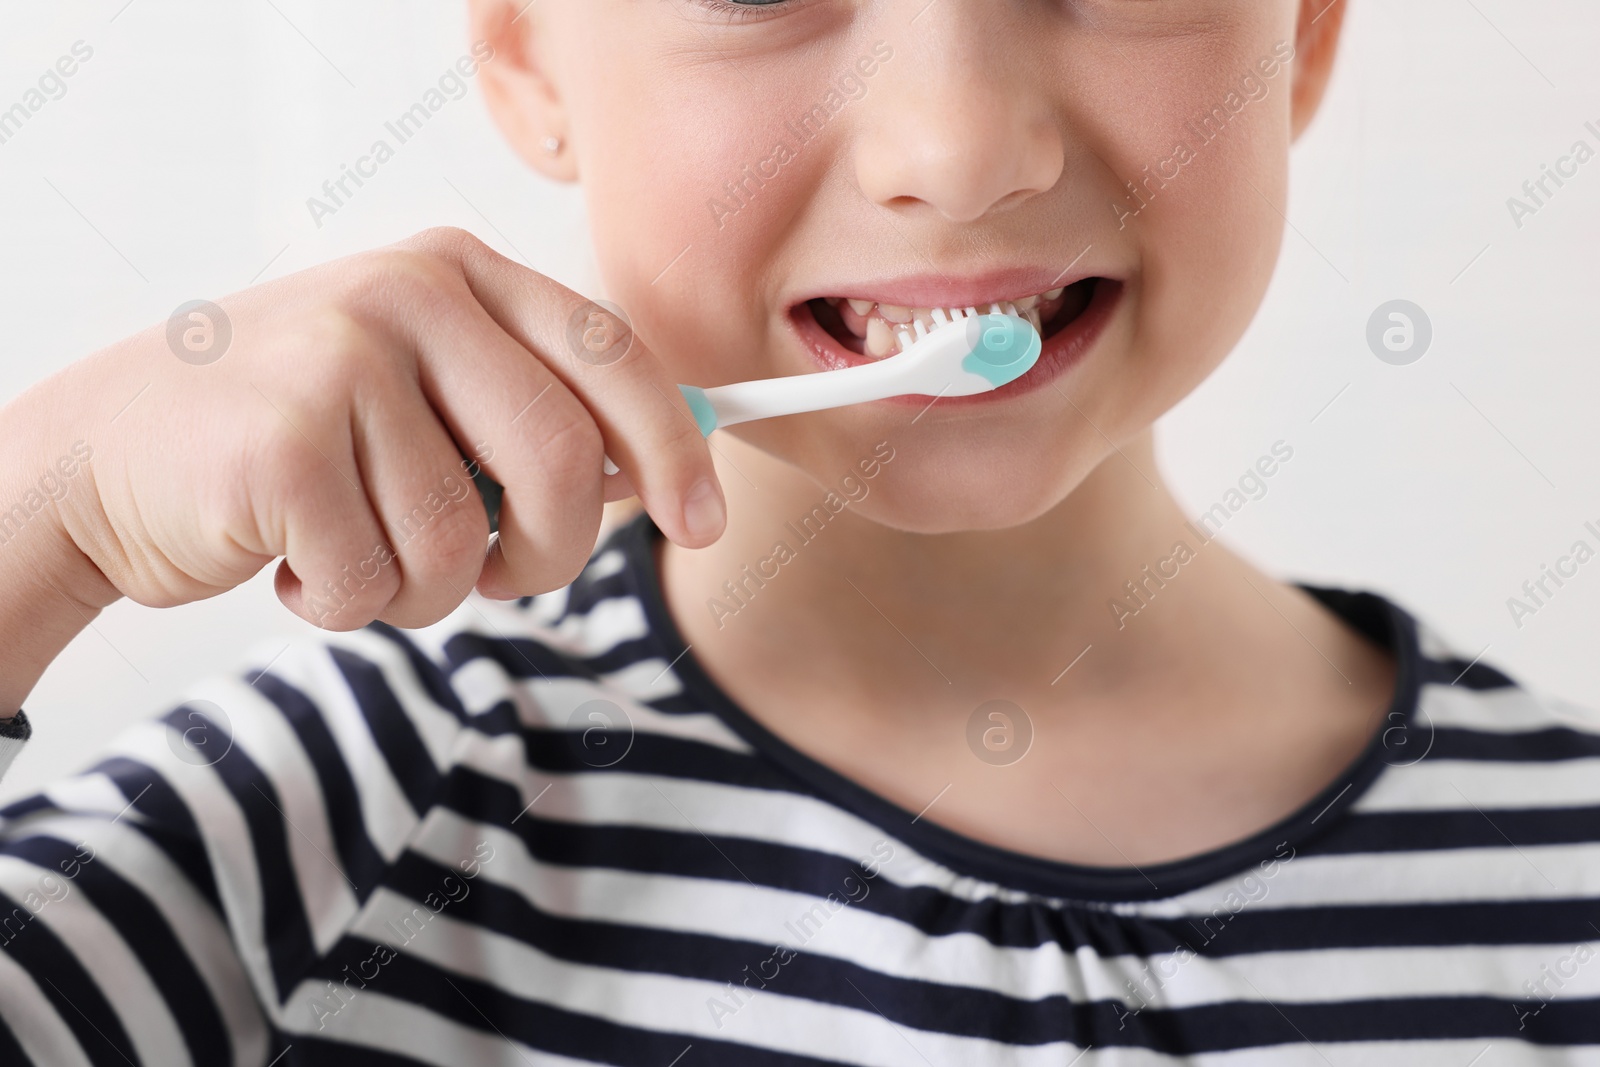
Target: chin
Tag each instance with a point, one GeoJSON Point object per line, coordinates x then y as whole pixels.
{"type": "Point", "coordinates": [941, 493]}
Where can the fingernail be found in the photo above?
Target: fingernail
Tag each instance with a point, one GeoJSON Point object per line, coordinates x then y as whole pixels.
{"type": "Point", "coordinates": [703, 511]}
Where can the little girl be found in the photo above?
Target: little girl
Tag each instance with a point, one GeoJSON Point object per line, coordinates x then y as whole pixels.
{"type": "Point", "coordinates": [922, 731]}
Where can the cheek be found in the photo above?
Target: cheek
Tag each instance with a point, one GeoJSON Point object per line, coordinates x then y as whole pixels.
{"type": "Point", "coordinates": [1219, 218]}
{"type": "Point", "coordinates": [1208, 169]}
{"type": "Point", "coordinates": [691, 200]}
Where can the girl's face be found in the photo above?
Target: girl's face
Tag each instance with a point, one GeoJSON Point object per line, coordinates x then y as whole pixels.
{"type": "Point", "coordinates": [773, 185]}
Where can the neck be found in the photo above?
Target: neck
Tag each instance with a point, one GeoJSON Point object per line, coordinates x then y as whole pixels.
{"type": "Point", "coordinates": [1183, 697]}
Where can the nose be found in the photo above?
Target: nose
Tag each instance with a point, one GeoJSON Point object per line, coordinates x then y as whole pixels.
{"type": "Point", "coordinates": [955, 124]}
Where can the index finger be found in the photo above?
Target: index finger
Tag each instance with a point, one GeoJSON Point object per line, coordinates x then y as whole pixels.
{"type": "Point", "coordinates": [648, 427]}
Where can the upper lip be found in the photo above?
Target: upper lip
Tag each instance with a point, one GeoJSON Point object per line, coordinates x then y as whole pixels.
{"type": "Point", "coordinates": [950, 291]}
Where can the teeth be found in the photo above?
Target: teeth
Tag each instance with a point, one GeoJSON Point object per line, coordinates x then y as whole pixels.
{"type": "Point", "coordinates": [888, 329]}
{"type": "Point", "coordinates": [880, 338]}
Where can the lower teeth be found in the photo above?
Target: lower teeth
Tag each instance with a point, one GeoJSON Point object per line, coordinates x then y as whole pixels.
{"type": "Point", "coordinates": [880, 338]}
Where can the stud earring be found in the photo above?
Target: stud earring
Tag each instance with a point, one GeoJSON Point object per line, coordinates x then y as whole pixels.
{"type": "Point", "coordinates": [553, 145]}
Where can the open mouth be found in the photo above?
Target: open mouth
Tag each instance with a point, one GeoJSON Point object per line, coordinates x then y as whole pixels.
{"type": "Point", "coordinates": [841, 331]}
{"type": "Point", "coordinates": [874, 330]}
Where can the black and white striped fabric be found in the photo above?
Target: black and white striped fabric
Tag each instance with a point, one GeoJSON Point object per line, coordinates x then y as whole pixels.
{"type": "Point", "coordinates": [536, 833]}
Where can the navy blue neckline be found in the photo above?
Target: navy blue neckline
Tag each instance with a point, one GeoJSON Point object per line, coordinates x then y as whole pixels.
{"type": "Point", "coordinates": [1375, 617]}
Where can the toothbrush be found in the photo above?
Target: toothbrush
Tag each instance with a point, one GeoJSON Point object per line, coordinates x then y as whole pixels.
{"type": "Point", "coordinates": [965, 353]}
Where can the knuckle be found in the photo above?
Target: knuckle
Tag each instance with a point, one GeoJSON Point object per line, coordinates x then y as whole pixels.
{"type": "Point", "coordinates": [451, 544]}
{"type": "Point", "coordinates": [331, 329]}
{"type": "Point", "coordinates": [570, 443]}
{"type": "Point", "coordinates": [355, 592]}
{"type": "Point", "coordinates": [450, 241]}
{"type": "Point", "coordinates": [331, 353]}
{"type": "Point", "coordinates": [400, 278]}
{"type": "Point", "coordinates": [416, 276]}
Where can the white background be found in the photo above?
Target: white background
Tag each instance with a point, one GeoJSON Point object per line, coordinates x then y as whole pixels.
{"type": "Point", "coordinates": [178, 164]}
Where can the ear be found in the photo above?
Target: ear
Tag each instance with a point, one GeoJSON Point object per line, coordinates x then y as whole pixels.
{"type": "Point", "coordinates": [516, 85]}
{"type": "Point", "coordinates": [1316, 44]}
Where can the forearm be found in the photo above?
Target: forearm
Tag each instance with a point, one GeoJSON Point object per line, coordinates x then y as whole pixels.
{"type": "Point", "coordinates": [49, 590]}
{"type": "Point", "coordinates": [39, 617]}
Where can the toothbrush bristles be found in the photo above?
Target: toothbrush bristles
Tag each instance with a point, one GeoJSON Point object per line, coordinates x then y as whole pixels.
{"type": "Point", "coordinates": [918, 329]}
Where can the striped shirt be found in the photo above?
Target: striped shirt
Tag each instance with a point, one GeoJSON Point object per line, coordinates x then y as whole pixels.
{"type": "Point", "coordinates": [536, 833]}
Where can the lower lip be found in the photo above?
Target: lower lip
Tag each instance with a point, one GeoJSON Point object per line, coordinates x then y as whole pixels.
{"type": "Point", "coordinates": [1061, 352]}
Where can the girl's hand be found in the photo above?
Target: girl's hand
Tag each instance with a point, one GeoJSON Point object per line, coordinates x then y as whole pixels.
{"type": "Point", "coordinates": [340, 426]}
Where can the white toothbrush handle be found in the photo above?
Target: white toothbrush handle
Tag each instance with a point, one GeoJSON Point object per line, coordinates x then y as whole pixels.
{"type": "Point", "coordinates": [771, 397]}
{"type": "Point", "coordinates": [768, 398]}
